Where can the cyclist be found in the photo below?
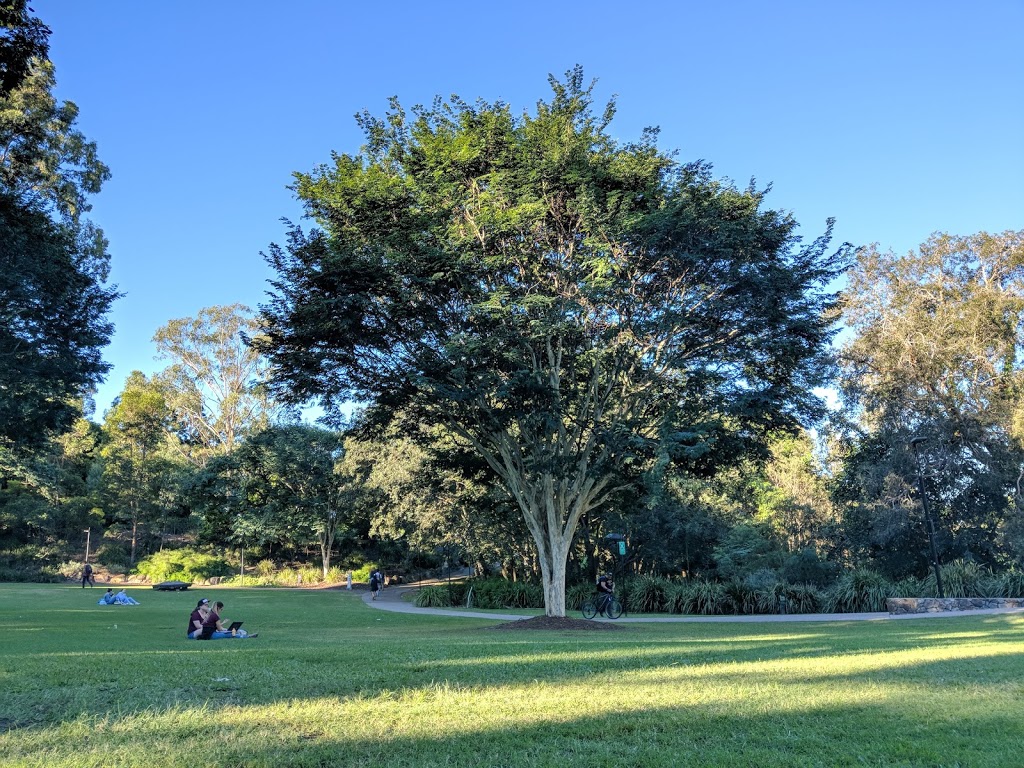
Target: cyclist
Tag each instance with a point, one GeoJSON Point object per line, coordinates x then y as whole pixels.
{"type": "Point", "coordinates": [605, 590]}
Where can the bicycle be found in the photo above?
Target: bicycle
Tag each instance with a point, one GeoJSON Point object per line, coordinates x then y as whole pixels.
{"type": "Point", "coordinates": [612, 607]}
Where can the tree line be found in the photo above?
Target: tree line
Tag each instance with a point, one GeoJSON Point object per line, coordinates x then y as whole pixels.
{"type": "Point", "coordinates": [550, 336]}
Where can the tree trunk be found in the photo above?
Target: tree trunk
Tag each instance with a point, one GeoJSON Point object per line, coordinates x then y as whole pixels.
{"type": "Point", "coordinates": [552, 517]}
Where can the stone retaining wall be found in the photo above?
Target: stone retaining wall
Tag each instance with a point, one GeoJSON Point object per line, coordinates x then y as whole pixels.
{"type": "Point", "coordinates": [898, 605]}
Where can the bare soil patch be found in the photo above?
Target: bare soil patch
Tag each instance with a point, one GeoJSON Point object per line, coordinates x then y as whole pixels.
{"type": "Point", "coordinates": [558, 624]}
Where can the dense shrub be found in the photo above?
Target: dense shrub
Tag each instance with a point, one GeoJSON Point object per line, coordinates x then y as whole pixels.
{"type": "Point", "coordinates": [1013, 583]}
{"type": "Point", "coordinates": [803, 598]}
{"type": "Point", "coordinates": [114, 555]}
{"type": "Point", "coordinates": [858, 591]}
{"type": "Point", "coordinates": [521, 594]}
{"type": "Point", "coordinates": [433, 597]}
{"type": "Point", "coordinates": [741, 597]}
{"type": "Point", "coordinates": [911, 586]}
{"type": "Point", "coordinates": [576, 595]}
{"type": "Point", "coordinates": [496, 593]}
{"type": "Point", "coordinates": [363, 573]}
{"type": "Point", "coordinates": [805, 567]}
{"type": "Point", "coordinates": [707, 598]}
{"type": "Point", "coordinates": [31, 572]}
{"type": "Point", "coordinates": [646, 594]}
{"type": "Point", "coordinates": [965, 578]}
{"type": "Point", "coordinates": [182, 565]}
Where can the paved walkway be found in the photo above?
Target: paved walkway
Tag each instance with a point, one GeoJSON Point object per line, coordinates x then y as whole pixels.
{"type": "Point", "coordinates": [390, 599]}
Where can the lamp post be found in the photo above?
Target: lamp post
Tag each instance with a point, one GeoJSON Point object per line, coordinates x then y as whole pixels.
{"type": "Point", "coordinates": [929, 520]}
{"type": "Point", "coordinates": [88, 533]}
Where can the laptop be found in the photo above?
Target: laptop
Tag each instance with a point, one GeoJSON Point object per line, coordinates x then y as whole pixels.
{"type": "Point", "coordinates": [234, 625]}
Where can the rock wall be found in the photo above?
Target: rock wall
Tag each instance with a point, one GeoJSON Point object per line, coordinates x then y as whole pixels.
{"type": "Point", "coordinates": [898, 605]}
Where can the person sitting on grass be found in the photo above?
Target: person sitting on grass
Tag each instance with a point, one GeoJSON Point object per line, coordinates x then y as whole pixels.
{"type": "Point", "coordinates": [122, 598]}
{"type": "Point", "coordinates": [107, 599]}
{"type": "Point", "coordinates": [197, 619]}
{"type": "Point", "coordinates": [213, 627]}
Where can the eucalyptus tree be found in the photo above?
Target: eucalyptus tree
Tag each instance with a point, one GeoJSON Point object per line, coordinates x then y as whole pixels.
{"type": "Point", "coordinates": [214, 381]}
{"type": "Point", "coordinates": [935, 353]}
{"type": "Point", "coordinates": [569, 307]}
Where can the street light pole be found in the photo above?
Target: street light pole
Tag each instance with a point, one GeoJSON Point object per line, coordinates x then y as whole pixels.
{"type": "Point", "coordinates": [88, 533]}
{"type": "Point", "coordinates": [930, 521]}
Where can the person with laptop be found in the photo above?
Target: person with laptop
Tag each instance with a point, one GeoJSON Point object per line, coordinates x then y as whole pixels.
{"type": "Point", "coordinates": [214, 629]}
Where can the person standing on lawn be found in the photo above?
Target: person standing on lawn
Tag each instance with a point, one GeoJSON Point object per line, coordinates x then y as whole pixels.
{"type": "Point", "coordinates": [87, 576]}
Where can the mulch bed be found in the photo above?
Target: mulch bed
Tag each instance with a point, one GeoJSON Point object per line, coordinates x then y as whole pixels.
{"type": "Point", "coordinates": [557, 624]}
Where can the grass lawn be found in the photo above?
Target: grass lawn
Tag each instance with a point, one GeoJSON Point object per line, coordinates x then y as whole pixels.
{"type": "Point", "coordinates": [331, 682]}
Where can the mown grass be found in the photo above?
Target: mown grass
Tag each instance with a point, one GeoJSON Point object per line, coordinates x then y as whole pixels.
{"type": "Point", "coordinates": [332, 682]}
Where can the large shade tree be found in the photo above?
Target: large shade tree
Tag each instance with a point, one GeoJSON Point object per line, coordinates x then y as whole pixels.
{"type": "Point", "coordinates": [571, 308]}
{"type": "Point", "coordinates": [53, 262]}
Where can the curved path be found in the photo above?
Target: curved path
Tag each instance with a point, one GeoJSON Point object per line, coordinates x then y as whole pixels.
{"type": "Point", "coordinates": [390, 599]}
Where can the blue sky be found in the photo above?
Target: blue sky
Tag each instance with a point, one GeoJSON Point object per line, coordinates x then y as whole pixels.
{"type": "Point", "coordinates": [897, 118]}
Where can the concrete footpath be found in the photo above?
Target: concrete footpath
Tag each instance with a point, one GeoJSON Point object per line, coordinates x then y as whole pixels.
{"type": "Point", "coordinates": [390, 599]}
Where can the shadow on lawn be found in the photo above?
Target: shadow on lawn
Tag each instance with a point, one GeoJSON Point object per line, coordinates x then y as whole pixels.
{"type": "Point", "coordinates": [655, 737]}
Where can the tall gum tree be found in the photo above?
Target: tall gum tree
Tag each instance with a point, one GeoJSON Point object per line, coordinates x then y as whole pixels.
{"type": "Point", "coordinates": [573, 309]}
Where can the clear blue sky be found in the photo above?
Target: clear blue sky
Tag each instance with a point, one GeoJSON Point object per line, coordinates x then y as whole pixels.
{"type": "Point", "coordinates": [898, 118]}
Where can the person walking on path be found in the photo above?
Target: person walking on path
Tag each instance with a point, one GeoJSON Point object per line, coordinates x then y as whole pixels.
{"type": "Point", "coordinates": [87, 576]}
{"type": "Point", "coordinates": [376, 582]}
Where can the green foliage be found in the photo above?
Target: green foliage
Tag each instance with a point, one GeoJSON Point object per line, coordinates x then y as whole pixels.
{"type": "Point", "coordinates": [498, 593]}
{"type": "Point", "coordinates": [335, 575]}
{"type": "Point", "coordinates": [578, 594]}
{"type": "Point", "coordinates": [965, 578]}
{"type": "Point", "coordinates": [182, 565]}
{"type": "Point", "coordinates": [707, 598]}
{"type": "Point", "coordinates": [806, 567]}
{"type": "Point", "coordinates": [911, 587]}
{"type": "Point", "coordinates": [557, 296]}
{"type": "Point", "coordinates": [213, 381]}
{"type": "Point", "coordinates": [53, 263]}
{"type": "Point", "coordinates": [433, 597]}
{"type": "Point", "coordinates": [746, 549]}
{"type": "Point", "coordinates": [363, 572]}
{"type": "Point", "coordinates": [935, 354]}
{"type": "Point", "coordinates": [741, 596]}
{"type": "Point", "coordinates": [1013, 583]}
{"type": "Point", "coordinates": [803, 598]}
{"type": "Point", "coordinates": [858, 591]}
{"type": "Point", "coordinates": [646, 594]}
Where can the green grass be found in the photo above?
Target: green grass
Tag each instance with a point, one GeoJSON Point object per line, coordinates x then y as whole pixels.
{"type": "Point", "coordinates": [331, 682]}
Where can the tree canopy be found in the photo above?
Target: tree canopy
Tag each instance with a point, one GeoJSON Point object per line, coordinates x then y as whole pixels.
{"type": "Point", "coordinates": [572, 308]}
{"type": "Point", "coordinates": [935, 353]}
{"type": "Point", "coordinates": [53, 263]}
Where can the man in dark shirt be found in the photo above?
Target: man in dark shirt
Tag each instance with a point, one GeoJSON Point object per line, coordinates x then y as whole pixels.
{"type": "Point", "coordinates": [605, 589]}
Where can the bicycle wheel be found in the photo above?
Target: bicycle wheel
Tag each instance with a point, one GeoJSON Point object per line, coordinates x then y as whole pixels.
{"type": "Point", "coordinates": [614, 609]}
{"type": "Point", "coordinates": [589, 609]}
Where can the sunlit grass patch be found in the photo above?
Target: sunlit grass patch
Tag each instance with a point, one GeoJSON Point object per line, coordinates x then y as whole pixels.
{"type": "Point", "coordinates": [333, 682]}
